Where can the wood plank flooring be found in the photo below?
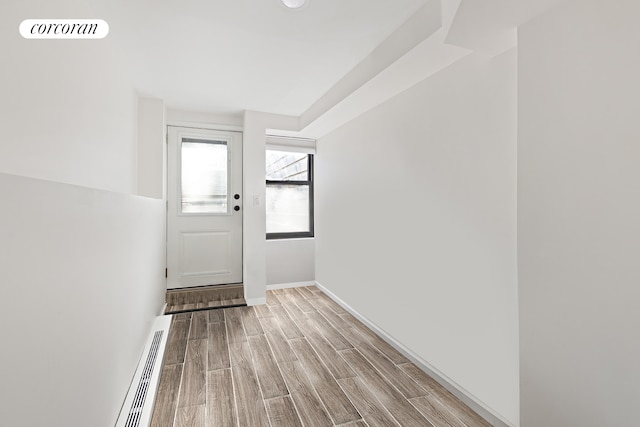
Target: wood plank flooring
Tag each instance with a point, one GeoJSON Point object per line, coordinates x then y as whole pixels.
{"type": "Point", "coordinates": [204, 298]}
{"type": "Point", "coordinates": [299, 360]}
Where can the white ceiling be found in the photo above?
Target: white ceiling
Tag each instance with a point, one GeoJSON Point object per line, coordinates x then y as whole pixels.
{"type": "Point", "coordinates": [227, 56]}
{"type": "Point", "coordinates": [322, 65]}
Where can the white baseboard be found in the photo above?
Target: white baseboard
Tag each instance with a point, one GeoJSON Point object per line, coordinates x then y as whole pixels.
{"type": "Point", "coordinates": [256, 301]}
{"type": "Point", "coordinates": [459, 391]}
{"type": "Point", "coordinates": [290, 285]}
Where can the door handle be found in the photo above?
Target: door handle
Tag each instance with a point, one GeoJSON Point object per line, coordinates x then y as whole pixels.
{"type": "Point", "coordinates": [236, 208]}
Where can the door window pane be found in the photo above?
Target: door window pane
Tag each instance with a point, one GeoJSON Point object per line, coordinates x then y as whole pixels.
{"type": "Point", "coordinates": [204, 176]}
{"type": "Point", "coordinates": [287, 208]}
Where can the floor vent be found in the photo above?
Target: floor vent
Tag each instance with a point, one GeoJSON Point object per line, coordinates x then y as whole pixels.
{"type": "Point", "coordinates": [138, 406]}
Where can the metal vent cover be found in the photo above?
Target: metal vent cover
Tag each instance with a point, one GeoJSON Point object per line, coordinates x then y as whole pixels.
{"type": "Point", "coordinates": [135, 413]}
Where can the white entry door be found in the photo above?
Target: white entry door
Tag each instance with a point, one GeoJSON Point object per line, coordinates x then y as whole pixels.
{"type": "Point", "coordinates": [204, 218]}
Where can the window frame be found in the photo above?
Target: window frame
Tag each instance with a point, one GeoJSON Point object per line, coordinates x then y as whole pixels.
{"type": "Point", "coordinates": [308, 183]}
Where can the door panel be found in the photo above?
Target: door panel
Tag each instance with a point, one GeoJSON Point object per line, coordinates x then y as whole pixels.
{"type": "Point", "coordinates": [208, 253]}
{"type": "Point", "coordinates": [204, 217]}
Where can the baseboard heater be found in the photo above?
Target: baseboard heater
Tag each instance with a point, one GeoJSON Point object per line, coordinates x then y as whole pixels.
{"type": "Point", "coordinates": [138, 405]}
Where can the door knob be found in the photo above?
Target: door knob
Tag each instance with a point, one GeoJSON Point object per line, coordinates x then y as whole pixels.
{"type": "Point", "coordinates": [236, 208]}
{"type": "Point", "coordinates": [236, 196]}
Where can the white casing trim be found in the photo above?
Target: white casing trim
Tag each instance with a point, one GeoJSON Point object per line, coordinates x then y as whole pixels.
{"type": "Point", "coordinates": [161, 323]}
{"type": "Point", "coordinates": [459, 391]}
{"type": "Point", "coordinates": [203, 125]}
{"type": "Point", "coordinates": [290, 285]}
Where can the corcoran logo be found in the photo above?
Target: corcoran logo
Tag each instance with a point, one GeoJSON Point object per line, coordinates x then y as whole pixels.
{"type": "Point", "coordinates": [64, 29]}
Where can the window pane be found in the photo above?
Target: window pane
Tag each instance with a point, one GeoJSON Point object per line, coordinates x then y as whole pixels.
{"type": "Point", "coordinates": [204, 176]}
{"type": "Point", "coordinates": [287, 208]}
{"type": "Point", "coordinates": [285, 166]}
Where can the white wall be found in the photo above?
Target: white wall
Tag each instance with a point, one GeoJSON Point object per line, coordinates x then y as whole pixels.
{"type": "Point", "coordinates": [254, 219]}
{"type": "Point", "coordinates": [82, 268]}
{"type": "Point", "coordinates": [68, 112]}
{"type": "Point", "coordinates": [200, 119]}
{"type": "Point", "coordinates": [415, 224]}
{"type": "Point", "coordinates": [82, 275]}
{"type": "Point", "coordinates": [290, 261]}
{"type": "Point", "coordinates": [578, 211]}
{"type": "Point", "coordinates": [152, 149]}
{"type": "Point", "coordinates": [254, 264]}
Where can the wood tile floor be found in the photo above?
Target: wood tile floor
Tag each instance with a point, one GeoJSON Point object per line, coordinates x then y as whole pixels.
{"type": "Point", "coordinates": [299, 360]}
{"type": "Point", "coordinates": [180, 308]}
{"type": "Point", "coordinates": [205, 297]}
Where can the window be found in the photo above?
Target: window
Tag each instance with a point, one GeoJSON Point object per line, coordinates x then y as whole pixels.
{"type": "Point", "coordinates": [289, 201]}
{"type": "Point", "coordinates": [203, 176]}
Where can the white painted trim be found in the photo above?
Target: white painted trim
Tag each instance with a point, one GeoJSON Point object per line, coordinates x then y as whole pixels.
{"type": "Point", "coordinates": [161, 323]}
{"type": "Point", "coordinates": [203, 125]}
{"type": "Point", "coordinates": [290, 285]}
{"type": "Point", "coordinates": [284, 143]}
{"type": "Point", "coordinates": [483, 410]}
{"type": "Point", "coordinates": [256, 301]}
{"type": "Point", "coordinates": [164, 308]}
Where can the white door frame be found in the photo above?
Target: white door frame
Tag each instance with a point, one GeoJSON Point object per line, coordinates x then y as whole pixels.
{"type": "Point", "coordinates": [204, 248]}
